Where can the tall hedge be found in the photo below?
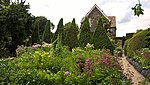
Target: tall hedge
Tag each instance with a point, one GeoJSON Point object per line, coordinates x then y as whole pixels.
{"type": "Point", "coordinates": [135, 43]}
{"type": "Point", "coordinates": [147, 39]}
{"type": "Point", "coordinates": [38, 29]}
{"type": "Point", "coordinates": [59, 31]}
{"type": "Point", "coordinates": [71, 33]}
{"type": "Point", "coordinates": [47, 34]}
{"type": "Point", "coordinates": [100, 38]}
{"type": "Point", "coordinates": [85, 33]}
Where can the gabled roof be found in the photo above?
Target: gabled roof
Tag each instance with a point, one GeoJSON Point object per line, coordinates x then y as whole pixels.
{"type": "Point", "coordinates": [95, 6]}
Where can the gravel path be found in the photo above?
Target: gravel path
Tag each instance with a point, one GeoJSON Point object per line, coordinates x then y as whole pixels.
{"type": "Point", "coordinates": [130, 72]}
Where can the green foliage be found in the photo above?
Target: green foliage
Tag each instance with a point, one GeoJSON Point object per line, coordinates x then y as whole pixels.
{"type": "Point", "coordinates": [38, 29]}
{"type": "Point", "coordinates": [138, 10]}
{"type": "Point", "coordinates": [64, 38]}
{"type": "Point", "coordinates": [39, 67]}
{"type": "Point", "coordinates": [47, 34]}
{"type": "Point", "coordinates": [59, 31]}
{"type": "Point", "coordinates": [19, 27]}
{"type": "Point", "coordinates": [100, 38]}
{"type": "Point", "coordinates": [143, 60]}
{"type": "Point", "coordinates": [135, 43]}
{"type": "Point", "coordinates": [15, 25]}
{"type": "Point", "coordinates": [60, 27]}
{"type": "Point", "coordinates": [71, 32]}
{"type": "Point", "coordinates": [147, 39]}
{"type": "Point", "coordinates": [85, 33]}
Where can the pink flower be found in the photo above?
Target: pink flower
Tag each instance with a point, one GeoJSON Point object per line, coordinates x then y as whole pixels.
{"type": "Point", "coordinates": [66, 73]}
{"type": "Point", "coordinates": [106, 60]}
{"type": "Point", "coordinates": [88, 60]}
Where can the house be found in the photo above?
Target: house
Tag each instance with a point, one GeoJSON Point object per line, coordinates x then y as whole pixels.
{"type": "Point", "coordinates": [93, 15]}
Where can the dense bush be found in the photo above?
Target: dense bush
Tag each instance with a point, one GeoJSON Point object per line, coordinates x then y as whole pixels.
{"type": "Point", "coordinates": [90, 67]}
{"type": "Point", "coordinates": [100, 37]}
{"type": "Point", "coordinates": [137, 42]}
{"type": "Point", "coordinates": [15, 25]}
{"type": "Point", "coordinates": [147, 39]}
{"type": "Point", "coordinates": [60, 30]}
{"type": "Point", "coordinates": [47, 34]}
{"type": "Point", "coordinates": [85, 36]}
{"type": "Point", "coordinates": [41, 30]}
{"type": "Point", "coordinates": [70, 34]}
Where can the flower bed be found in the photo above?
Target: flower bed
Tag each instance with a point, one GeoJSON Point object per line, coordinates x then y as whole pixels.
{"type": "Point", "coordinates": [62, 67]}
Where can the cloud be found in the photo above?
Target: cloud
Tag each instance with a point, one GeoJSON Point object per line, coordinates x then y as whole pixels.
{"type": "Point", "coordinates": [69, 9]}
{"type": "Point", "coordinates": [127, 18]}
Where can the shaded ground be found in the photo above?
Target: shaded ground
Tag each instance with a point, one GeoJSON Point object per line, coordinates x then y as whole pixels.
{"type": "Point", "coordinates": [130, 72]}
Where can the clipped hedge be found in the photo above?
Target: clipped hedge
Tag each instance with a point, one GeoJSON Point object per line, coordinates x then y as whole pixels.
{"type": "Point", "coordinates": [135, 43]}
{"type": "Point", "coordinates": [85, 33]}
{"type": "Point", "coordinates": [100, 38]}
{"type": "Point", "coordinates": [70, 36]}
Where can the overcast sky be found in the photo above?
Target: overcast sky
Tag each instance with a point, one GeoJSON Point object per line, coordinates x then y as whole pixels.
{"type": "Point", "coordinates": [69, 9]}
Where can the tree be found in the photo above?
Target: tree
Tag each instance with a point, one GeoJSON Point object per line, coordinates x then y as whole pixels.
{"type": "Point", "coordinates": [38, 29]}
{"type": "Point", "coordinates": [71, 39]}
{"type": "Point", "coordinates": [47, 34]}
{"type": "Point", "coordinates": [60, 29]}
{"type": "Point", "coordinates": [16, 24]}
{"type": "Point", "coordinates": [100, 38]}
{"type": "Point", "coordinates": [85, 33]}
{"type": "Point", "coordinates": [66, 27]}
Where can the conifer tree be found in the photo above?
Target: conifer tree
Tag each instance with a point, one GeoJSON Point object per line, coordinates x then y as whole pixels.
{"type": "Point", "coordinates": [85, 33]}
{"type": "Point", "coordinates": [47, 34]}
{"type": "Point", "coordinates": [59, 30]}
{"type": "Point", "coordinates": [100, 38]}
{"type": "Point", "coordinates": [71, 35]}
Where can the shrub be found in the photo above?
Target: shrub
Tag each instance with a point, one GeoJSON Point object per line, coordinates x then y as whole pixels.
{"type": "Point", "coordinates": [100, 38]}
{"type": "Point", "coordinates": [47, 35]}
{"type": "Point", "coordinates": [85, 33]}
{"type": "Point", "coordinates": [80, 67]}
{"type": "Point", "coordinates": [137, 42]}
{"type": "Point", "coordinates": [60, 29]}
{"type": "Point", "coordinates": [71, 33]}
{"type": "Point", "coordinates": [147, 39]}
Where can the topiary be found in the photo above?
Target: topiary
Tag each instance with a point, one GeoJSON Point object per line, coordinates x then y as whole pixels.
{"type": "Point", "coordinates": [85, 33]}
{"type": "Point", "coordinates": [135, 43]}
{"type": "Point", "coordinates": [71, 33]}
{"type": "Point", "coordinates": [100, 38]}
{"type": "Point", "coordinates": [59, 31]}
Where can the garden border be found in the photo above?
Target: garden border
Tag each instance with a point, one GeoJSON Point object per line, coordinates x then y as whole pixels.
{"type": "Point", "coordinates": [138, 67]}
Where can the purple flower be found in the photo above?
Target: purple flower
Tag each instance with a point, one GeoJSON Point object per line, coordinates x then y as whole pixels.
{"type": "Point", "coordinates": [106, 60]}
{"type": "Point", "coordinates": [66, 73]}
{"type": "Point", "coordinates": [88, 60]}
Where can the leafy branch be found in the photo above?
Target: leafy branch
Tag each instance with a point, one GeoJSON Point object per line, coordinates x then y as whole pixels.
{"type": "Point", "coordinates": [138, 9]}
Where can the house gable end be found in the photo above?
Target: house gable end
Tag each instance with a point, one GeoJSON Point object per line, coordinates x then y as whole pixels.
{"type": "Point", "coordinates": [95, 7]}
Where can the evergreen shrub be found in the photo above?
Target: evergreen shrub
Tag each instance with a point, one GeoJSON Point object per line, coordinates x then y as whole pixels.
{"type": "Point", "coordinates": [85, 33]}
{"type": "Point", "coordinates": [100, 37]}
{"type": "Point", "coordinates": [135, 43]}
